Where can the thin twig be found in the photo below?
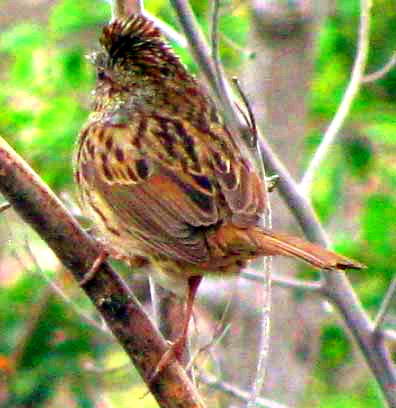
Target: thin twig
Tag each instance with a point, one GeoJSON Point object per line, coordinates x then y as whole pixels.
{"type": "Point", "coordinates": [375, 76]}
{"type": "Point", "coordinates": [123, 8]}
{"type": "Point", "coordinates": [220, 332]}
{"type": "Point", "coordinates": [218, 336]}
{"type": "Point", "coordinates": [222, 85]}
{"type": "Point", "coordinates": [350, 94]}
{"type": "Point", "coordinates": [235, 46]}
{"type": "Point", "coordinates": [234, 391]}
{"type": "Point", "coordinates": [102, 328]}
{"type": "Point", "coordinates": [215, 46]}
{"type": "Point", "coordinates": [252, 119]}
{"type": "Point", "coordinates": [379, 319]}
{"type": "Point", "coordinates": [285, 282]}
{"type": "Point", "coordinates": [169, 32]}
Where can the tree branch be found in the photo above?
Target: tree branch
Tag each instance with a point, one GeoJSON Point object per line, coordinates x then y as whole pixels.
{"type": "Point", "coordinates": [40, 208]}
{"type": "Point", "coordinates": [350, 94]}
{"type": "Point", "coordinates": [379, 320]}
{"type": "Point", "coordinates": [284, 281]}
{"type": "Point", "coordinates": [123, 8]}
{"type": "Point", "coordinates": [237, 393]}
{"type": "Point", "coordinates": [375, 76]}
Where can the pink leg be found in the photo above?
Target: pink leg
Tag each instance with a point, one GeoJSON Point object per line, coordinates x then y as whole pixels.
{"type": "Point", "coordinates": [177, 348]}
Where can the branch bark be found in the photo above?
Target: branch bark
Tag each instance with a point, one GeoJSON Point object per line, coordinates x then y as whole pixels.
{"type": "Point", "coordinates": [123, 8]}
{"type": "Point", "coordinates": [43, 211]}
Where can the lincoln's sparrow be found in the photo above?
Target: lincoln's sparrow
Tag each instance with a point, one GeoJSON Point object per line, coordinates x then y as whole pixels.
{"type": "Point", "coordinates": [161, 175]}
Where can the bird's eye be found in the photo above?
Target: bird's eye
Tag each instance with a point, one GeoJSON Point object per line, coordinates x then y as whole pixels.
{"type": "Point", "coordinates": [101, 75]}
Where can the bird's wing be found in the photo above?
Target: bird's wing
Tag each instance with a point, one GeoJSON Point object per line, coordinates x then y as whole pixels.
{"type": "Point", "coordinates": [167, 181]}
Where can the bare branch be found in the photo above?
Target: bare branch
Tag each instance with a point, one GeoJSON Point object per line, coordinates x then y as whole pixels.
{"type": "Point", "coordinates": [350, 94]}
{"type": "Point", "coordinates": [234, 391]}
{"type": "Point", "coordinates": [285, 282]}
{"type": "Point", "coordinates": [40, 208]}
{"type": "Point", "coordinates": [371, 343]}
{"type": "Point", "coordinates": [215, 48]}
{"type": "Point", "coordinates": [375, 76]}
{"type": "Point", "coordinates": [250, 119]}
{"type": "Point", "coordinates": [123, 8]}
{"type": "Point", "coordinates": [59, 292]}
{"type": "Point", "coordinates": [169, 32]}
{"type": "Point", "coordinates": [379, 320]}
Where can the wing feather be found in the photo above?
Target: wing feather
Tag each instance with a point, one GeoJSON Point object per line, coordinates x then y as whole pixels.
{"type": "Point", "coordinates": [166, 184]}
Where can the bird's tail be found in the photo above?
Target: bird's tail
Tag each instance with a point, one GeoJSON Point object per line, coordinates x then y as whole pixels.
{"type": "Point", "coordinates": [253, 242]}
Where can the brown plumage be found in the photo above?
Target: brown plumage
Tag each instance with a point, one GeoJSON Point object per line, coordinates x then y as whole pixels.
{"type": "Point", "coordinates": [161, 175]}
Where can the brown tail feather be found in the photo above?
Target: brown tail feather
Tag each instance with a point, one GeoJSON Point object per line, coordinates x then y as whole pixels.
{"type": "Point", "coordinates": [265, 242]}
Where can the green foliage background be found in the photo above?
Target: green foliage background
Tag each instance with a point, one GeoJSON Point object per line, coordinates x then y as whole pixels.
{"type": "Point", "coordinates": [44, 95]}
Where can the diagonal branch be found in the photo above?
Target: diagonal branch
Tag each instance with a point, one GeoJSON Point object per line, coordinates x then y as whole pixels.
{"type": "Point", "coordinates": [375, 76]}
{"type": "Point", "coordinates": [385, 305]}
{"type": "Point", "coordinates": [237, 393]}
{"type": "Point", "coordinates": [43, 211]}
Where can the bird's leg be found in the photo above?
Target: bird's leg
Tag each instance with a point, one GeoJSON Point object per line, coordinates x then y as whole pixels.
{"type": "Point", "coordinates": [180, 343]}
{"type": "Point", "coordinates": [177, 348]}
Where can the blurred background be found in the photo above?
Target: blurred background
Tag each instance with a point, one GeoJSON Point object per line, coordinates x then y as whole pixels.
{"type": "Point", "coordinates": [294, 60]}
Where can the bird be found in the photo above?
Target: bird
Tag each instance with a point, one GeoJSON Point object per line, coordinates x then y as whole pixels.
{"type": "Point", "coordinates": [162, 176]}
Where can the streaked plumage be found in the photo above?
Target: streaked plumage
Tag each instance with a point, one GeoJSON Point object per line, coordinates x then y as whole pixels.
{"type": "Point", "coordinates": [161, 175]}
